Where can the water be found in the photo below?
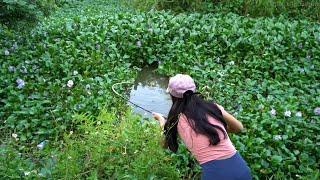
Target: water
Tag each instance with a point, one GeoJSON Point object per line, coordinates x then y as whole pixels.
{"type": "Point", "coordinates": [149, 91]}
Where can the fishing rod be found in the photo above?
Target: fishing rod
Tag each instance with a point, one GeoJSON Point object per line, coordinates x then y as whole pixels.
{"type": "Point", "coordinates": [127, 99]}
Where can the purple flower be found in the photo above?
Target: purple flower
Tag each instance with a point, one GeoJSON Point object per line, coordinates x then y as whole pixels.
{"type": "Point", "coordinates": [287, 113]}
{"type": "Point", "coordinates": [138, 43]}
{"type": "Point", "coordinates": [20, 83]}
{"type": "Point", "coordinates": [317, 111]}
{"type": "Point", "coordinates": [11, 68]}
{"type": "Point", "coordinates": [6, 52]}
{"type": "Point", "coordinates": [97, 46]}
{"type": "Point", "coordinates": [273, 112]}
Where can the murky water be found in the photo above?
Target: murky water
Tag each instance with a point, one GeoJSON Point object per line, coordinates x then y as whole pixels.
{"type": "Point", "coordinates": [149, 91]}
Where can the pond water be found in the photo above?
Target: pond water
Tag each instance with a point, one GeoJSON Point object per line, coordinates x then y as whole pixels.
{"type": "Point", "coordinates": [149, 92]}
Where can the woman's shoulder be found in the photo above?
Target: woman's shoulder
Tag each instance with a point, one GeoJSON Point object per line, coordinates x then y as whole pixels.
{"type": "Point", "coordinates": [183, 121]}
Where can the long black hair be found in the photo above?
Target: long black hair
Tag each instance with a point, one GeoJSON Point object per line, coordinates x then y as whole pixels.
{"type": "Point", "coordinates": [196, 109]}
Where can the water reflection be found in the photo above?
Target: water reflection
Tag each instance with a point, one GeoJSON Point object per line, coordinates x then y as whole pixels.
{"type": "Point", "coordinates": [149, 91]}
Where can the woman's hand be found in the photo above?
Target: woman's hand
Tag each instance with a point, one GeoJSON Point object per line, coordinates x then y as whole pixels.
{"type": "Point", "coordinates": [159, 117]}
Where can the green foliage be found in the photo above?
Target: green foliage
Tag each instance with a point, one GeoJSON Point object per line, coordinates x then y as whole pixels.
{"type": "Point", "coordinates": [102, 147]}
{"type": "Point", "coordinates": [15, 10]}
{"type": "Point", "coordinates": [248, 65]}
{"type": "Point", "coordinates": [254, 8]}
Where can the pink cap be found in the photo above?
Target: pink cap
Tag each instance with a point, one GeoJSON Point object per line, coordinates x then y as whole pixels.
{"type": "Point", "coordinates": [179, 84]}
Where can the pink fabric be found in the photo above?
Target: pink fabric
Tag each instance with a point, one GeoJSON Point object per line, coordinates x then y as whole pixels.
{"type": "Point", "coordinates": [179, 84]}
{"type": "Point", "coordinates": [199, 144]}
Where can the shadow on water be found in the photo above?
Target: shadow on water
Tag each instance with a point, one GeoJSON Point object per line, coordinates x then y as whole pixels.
{"type": "Point", "coordinates": [149, 91]}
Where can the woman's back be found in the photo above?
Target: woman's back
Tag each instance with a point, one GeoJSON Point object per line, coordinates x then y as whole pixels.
{"type": "Point", "coordinates": [199, 144]}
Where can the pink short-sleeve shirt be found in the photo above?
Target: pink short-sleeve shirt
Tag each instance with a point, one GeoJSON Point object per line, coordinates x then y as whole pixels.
{"type": "Point", "coordinates": [199, 144]}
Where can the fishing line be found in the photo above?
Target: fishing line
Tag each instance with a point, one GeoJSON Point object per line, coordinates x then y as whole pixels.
{"type": "Point", "coordinates": [127, 99]}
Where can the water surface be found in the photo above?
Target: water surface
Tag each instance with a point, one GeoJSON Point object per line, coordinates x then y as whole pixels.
{"type": "Point", "coordinates": [149, 91]}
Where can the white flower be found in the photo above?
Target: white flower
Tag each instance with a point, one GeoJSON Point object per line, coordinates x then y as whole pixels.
{"type": "Point", "coordinates": [20, 83]}
{"type": "Point", "coordinates": [231, 63]}
{"type": "Point", "coordinates": [277, 137]}
{"type": "Point", "coordinates": [287, 113]}
{"type": "Point", "coordinates": [138, 43]}
{"type": "Point", "coordinates": [14, 135]}
{"type": "Point", "coordinates": [317, 111]}
{"type": "Point", "coordinates": [6, 52]}
{"type": "Point", "coordinates": [218, 59]}
{"type": "Point", "coordinates": [88, 86]}
{"type": "Point", "coordinates": [273, 112]}
{"type": "Point", "coordinates": [75, 72]}
{"type": "Point", "coordinates": [41, 145]}
{"type": "Point", "coordinates": [71, 132]}
{"type": "Point", "coordinates": [70, 83]}
{"type": "Point", "coordinates": [298, 114]}
{"type": "Point", "coordinates": [26, 173]}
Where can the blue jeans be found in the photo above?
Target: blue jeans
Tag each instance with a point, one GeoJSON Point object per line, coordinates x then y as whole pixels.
{"type": "Point", "coordinates": [233, 168]}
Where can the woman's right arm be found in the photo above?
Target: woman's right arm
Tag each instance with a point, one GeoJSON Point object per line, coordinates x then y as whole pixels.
{"type": "Point", "coordinates": [233, 125]}
{"type": "Point", "coordinates": [160, 118]}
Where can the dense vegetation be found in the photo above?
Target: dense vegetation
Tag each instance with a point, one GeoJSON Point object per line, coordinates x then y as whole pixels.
{"type": "Point", "coordinates": [57, 109]}
{"type": "Point", "coordinates": [255, 8]}
{"type": "Point", "coordinates": [18, 10]}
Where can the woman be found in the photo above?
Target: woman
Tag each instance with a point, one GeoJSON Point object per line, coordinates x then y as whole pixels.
{"type": "Point", "coordinates": [203, 127]}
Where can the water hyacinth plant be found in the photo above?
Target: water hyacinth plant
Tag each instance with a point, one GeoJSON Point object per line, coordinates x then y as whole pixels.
{"type": "Point", "coordinates": [250, 66]}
